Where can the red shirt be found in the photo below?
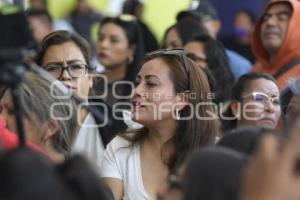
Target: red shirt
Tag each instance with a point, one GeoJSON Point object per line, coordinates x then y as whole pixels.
{"type": "Point", "coordinates": [9, 140]}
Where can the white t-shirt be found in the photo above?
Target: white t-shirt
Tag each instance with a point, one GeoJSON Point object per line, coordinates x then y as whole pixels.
{"type": "Point", "coordinates": [122, 161]}
{"type": "Point", "coordinates": [89, 142]}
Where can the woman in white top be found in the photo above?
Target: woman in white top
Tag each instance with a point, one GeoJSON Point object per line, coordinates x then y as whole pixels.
{"type": "Point", "coordinates": [66, 56]}
{"type": "Point", "coordinates": [170, 88]}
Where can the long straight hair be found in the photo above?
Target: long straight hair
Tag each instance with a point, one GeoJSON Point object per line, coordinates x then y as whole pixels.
{"type": "Point", "coordinates": [193, 133]}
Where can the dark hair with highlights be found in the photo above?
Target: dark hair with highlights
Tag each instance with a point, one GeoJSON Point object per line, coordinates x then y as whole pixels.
{"type": "Point", "coordinates": [193, 133]}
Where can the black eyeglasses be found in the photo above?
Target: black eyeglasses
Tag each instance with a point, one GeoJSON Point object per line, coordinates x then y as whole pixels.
{"type": "Point", "coordinates": [75, 70]}
{"type": "Point", "coordinates": [172, 52]}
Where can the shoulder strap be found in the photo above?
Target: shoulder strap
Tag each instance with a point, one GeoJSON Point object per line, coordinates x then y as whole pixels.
{"type": "Point", "coordinates": [286, 67]}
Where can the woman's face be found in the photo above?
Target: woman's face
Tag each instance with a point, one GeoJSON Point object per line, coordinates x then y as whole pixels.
{"type": "Point", "coordinates": [154, 96]}
{"type": "Point", "coordinates": [172, 39]}
{"type": "Point", "coordinates": [32, 129]}
{"type": "Point", "coordinates": [63, 55]}
{"type": "Point", "coordinates": [195, 50]}
{"type": "Point", "coordinates": [260, 104]}
{"type": "Point", "coordinates": [113, 48]}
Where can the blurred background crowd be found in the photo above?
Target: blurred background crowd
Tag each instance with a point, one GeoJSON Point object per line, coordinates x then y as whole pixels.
{"type": "Point", "coordinates": [140, 99]}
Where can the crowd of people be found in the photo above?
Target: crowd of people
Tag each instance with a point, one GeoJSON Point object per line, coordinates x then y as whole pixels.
{"type": "Point", "coordinates": [196, 118]}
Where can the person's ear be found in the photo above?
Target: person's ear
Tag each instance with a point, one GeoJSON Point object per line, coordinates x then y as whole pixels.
{"type": "Point", "coordinates": [182, 100]}
{"type": "Point", "coordinates": [51, 128]}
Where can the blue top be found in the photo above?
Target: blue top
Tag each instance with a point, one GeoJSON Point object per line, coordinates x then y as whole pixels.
{"type": "Point", "coordinates": [238, 64]}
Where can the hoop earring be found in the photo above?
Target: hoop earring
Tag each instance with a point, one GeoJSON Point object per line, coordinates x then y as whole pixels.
{"type": "Point", "coordinates": [177, 114]}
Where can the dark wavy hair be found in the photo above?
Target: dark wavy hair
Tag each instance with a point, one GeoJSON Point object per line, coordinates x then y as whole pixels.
{"type": "Point", "coordinates": [218, 64]}
{"type": "Point", "coordinates": [134, 37]}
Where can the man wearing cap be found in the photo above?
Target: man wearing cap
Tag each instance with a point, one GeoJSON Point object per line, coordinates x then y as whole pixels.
{"type": "Point", "coordinates": [208, 16]}
{"type": "Point", "coordinates": [276, 41]}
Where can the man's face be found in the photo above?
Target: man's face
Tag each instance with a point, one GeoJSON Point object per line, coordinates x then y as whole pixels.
{"type": "Point", "coordinates": [274, 26]}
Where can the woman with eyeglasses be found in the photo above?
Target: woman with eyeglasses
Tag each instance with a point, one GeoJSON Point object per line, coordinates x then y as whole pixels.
{"type": "Point", "coordinates": [255, 101]}
{"type": "Point", "coordinates": [66, 56]}
{"type": "Point", "coordinates": [210, 55]}
{"type": "Point", "coordinates": [170, 101]}
{"type": "Point", "coordinates": [120, 50]}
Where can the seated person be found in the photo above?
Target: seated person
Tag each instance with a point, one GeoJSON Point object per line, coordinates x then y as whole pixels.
{"type": "Point", "coordinates": [255, 101]}
{"type": "Point", "coordinates": [49, 122]}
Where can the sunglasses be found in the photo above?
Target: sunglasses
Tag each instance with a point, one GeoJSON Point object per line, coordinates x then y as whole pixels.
{"type": "Point", "coordinates": [172, 52]}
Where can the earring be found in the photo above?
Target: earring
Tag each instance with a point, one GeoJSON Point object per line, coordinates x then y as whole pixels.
{"type": "Point", "coordinates": [177, 114]}
{"type": "Point", "coordinates": [130, 59]}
